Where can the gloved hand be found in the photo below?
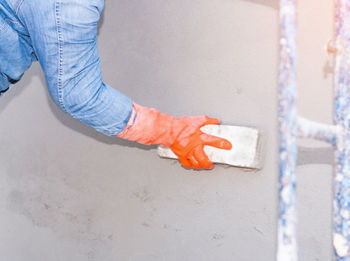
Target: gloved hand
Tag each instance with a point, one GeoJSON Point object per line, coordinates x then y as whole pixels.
{"type": "Point", "coordinates": [183, 135]}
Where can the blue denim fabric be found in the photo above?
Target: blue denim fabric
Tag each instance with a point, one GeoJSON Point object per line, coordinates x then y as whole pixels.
{"type": "Point", "coordinates": [62, 36]}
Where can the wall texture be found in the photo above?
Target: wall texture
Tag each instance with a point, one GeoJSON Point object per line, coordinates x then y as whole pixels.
{"type": "Point", "coordinates": [70, 193]}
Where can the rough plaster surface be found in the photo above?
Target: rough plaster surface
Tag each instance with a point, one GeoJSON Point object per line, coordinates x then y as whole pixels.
{"type": "Point", "coordinates": [70, 193]}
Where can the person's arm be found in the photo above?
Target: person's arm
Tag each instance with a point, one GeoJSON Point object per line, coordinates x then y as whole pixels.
{"type": "Point", "coordinates": [65, 43]}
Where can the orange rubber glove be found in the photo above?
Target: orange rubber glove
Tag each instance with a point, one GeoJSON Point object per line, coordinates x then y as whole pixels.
{"type": "Point", "coordinates": [183, 135]}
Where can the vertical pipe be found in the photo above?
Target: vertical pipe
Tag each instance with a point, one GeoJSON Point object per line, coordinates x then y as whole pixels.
{"type": "Point", "coordinates": [341, 201]}
{"type": "Point", "coordinates": [287, 248]}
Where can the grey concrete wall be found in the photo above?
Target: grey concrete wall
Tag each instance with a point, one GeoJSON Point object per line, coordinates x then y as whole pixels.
{"type": "Point", "coordinates": [70, 193]}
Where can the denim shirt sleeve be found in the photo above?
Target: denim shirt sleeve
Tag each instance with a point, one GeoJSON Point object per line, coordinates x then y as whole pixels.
{"type": "Point", "coordinates": [64, 37]}
{"type": "Point", "coordinates": [15, 52]}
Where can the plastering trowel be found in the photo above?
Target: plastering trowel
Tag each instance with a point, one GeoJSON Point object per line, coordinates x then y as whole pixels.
{"type": "Point", "coordinates": [246, 149]}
